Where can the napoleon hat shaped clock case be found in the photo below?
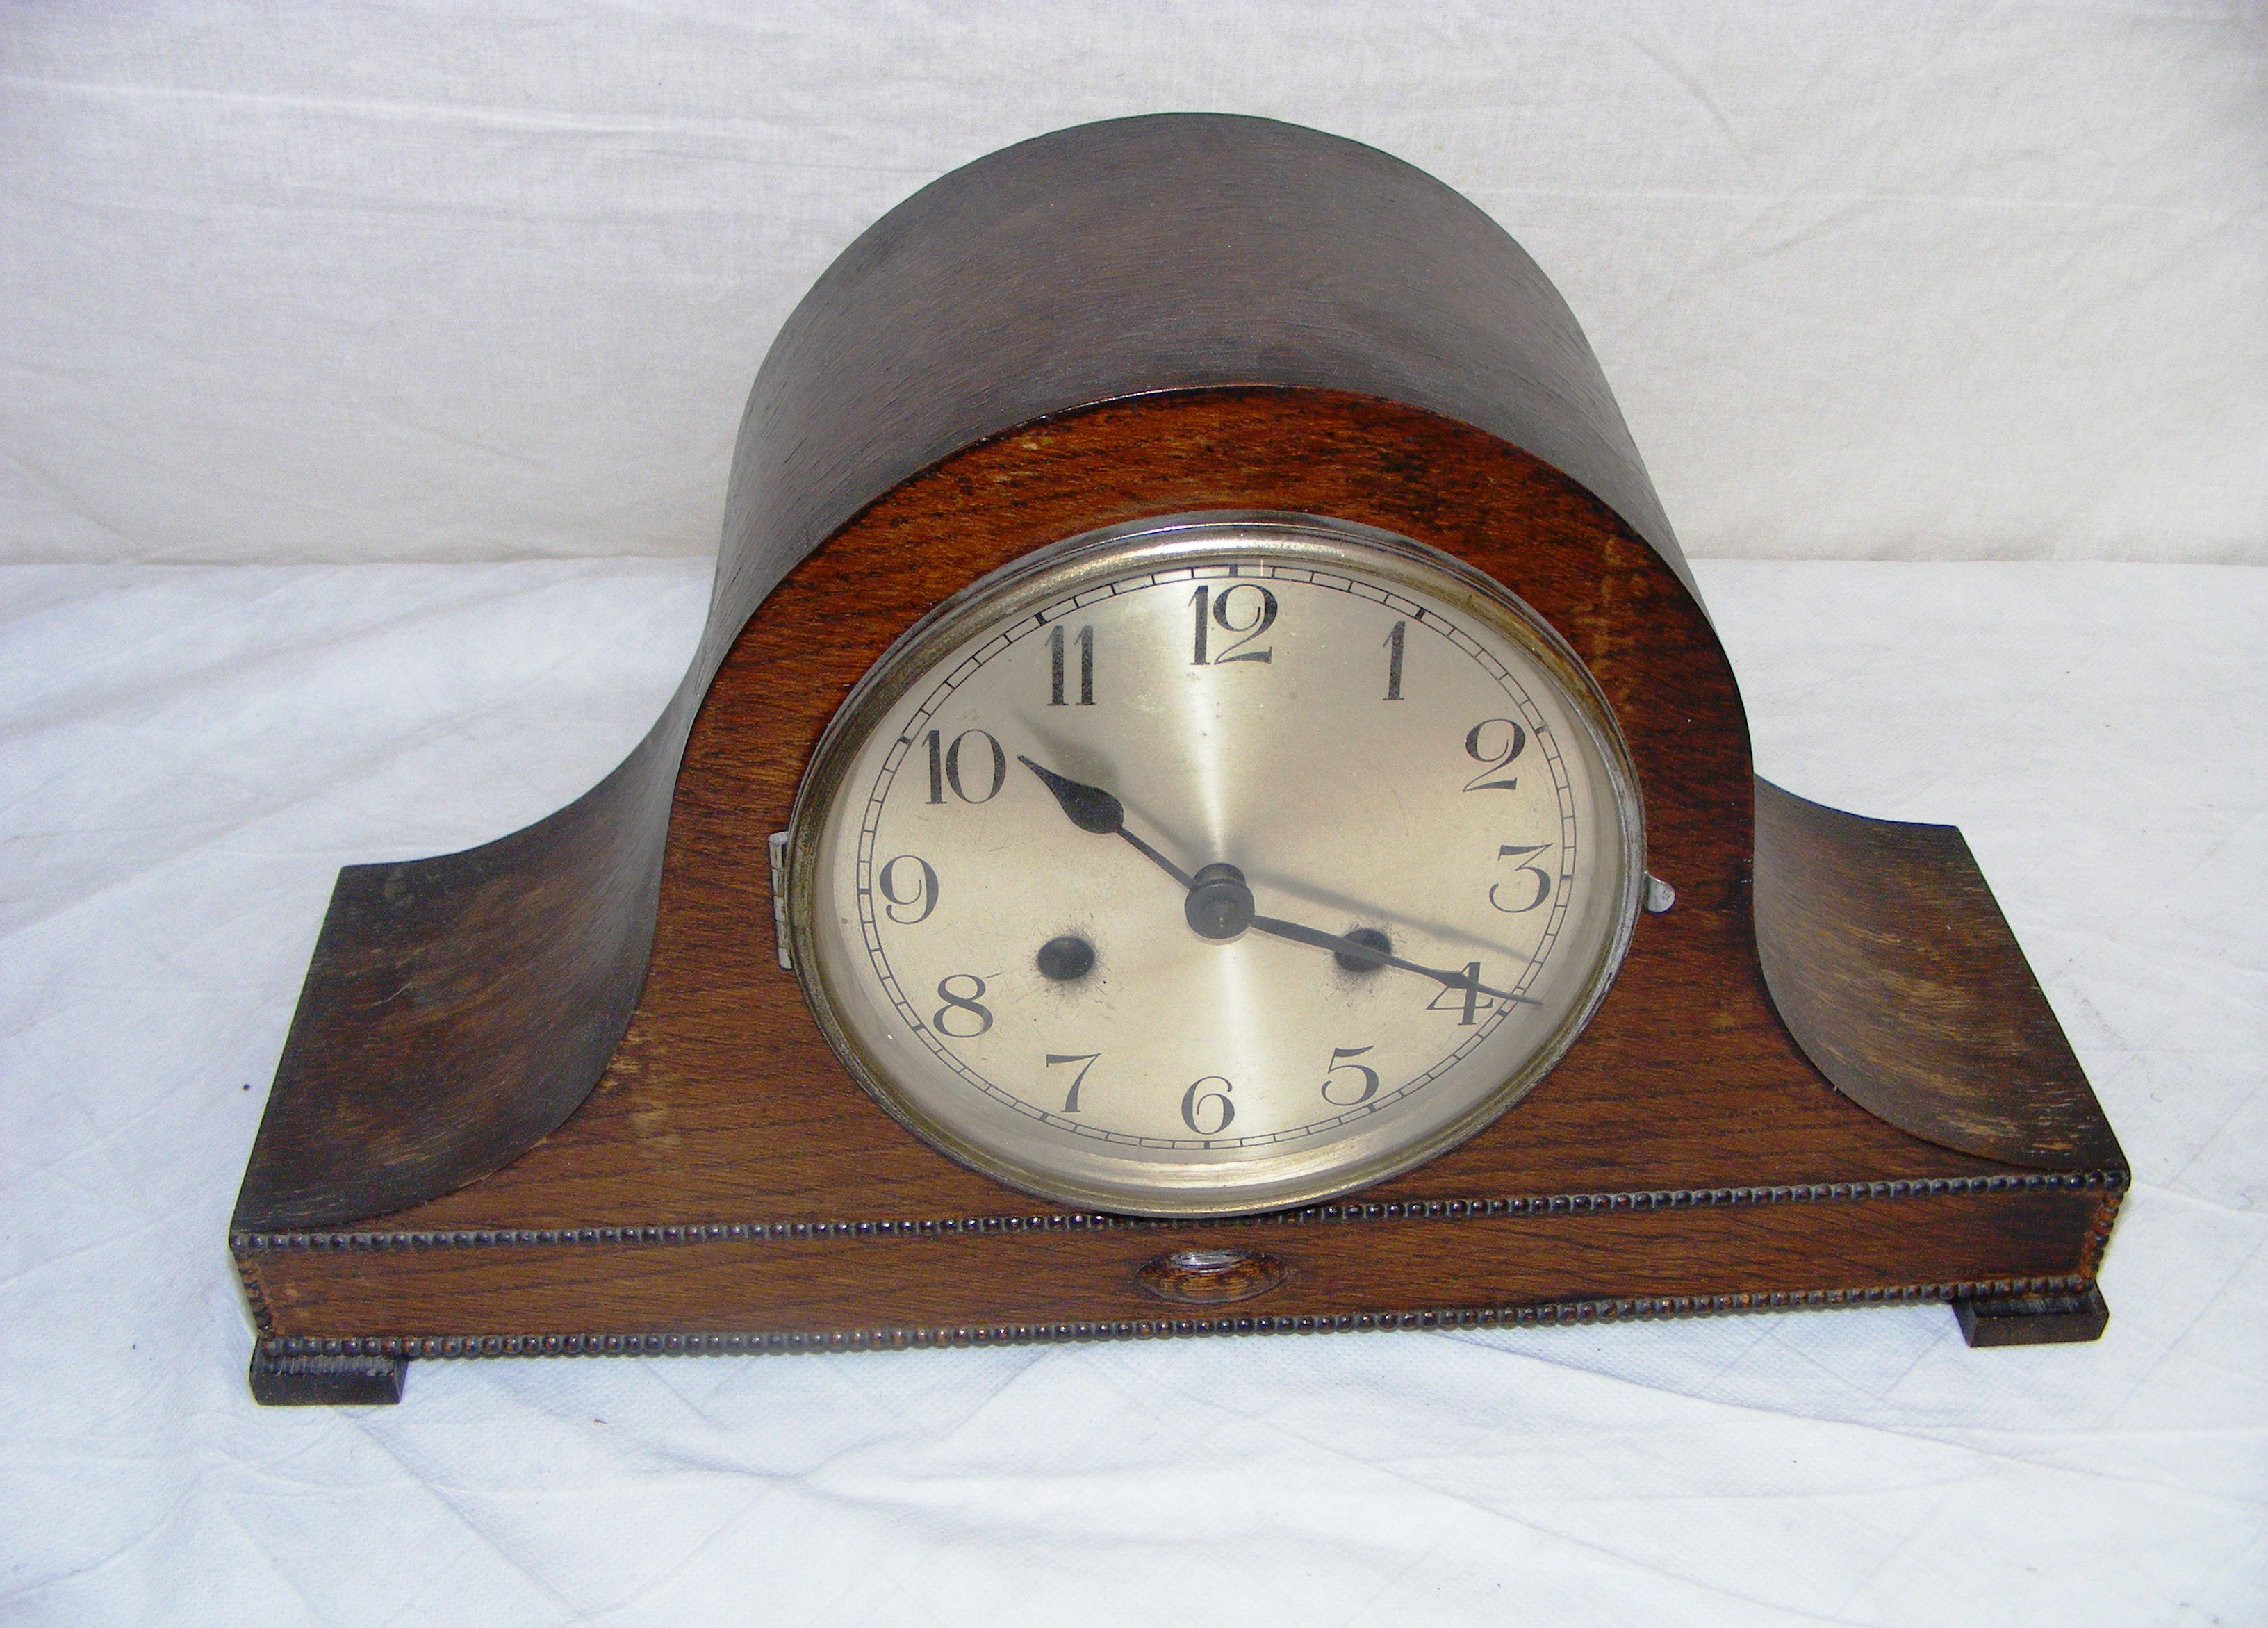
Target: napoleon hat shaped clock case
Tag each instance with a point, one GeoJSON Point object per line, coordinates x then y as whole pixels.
{"type": "Point", "coordinates": [1208, 802]}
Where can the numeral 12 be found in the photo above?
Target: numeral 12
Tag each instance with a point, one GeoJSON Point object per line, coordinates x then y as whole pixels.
{"type": "Point", "coordinates": [1264, 617]}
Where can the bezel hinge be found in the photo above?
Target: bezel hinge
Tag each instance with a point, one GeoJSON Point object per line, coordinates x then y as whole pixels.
{"type": "Point", "coordinates": [777, 844]}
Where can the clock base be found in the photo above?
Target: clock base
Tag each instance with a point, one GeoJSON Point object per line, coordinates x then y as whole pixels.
{"type": "Point", "coordinates": [1058, 1278]}
{"type": "Point", "coordinates": [341, 1313]}
{"type": "Point", "coordinates": [300, 1380]}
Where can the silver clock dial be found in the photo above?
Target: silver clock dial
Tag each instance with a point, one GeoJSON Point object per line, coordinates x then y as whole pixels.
{"type": "Point", "coordinates": [1214, 865]}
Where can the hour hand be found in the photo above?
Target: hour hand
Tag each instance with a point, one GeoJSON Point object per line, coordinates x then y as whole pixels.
{"type": "Point", "coordinates": [1091, 808]}
{"type": "Point", "coordinates": [1355, 949]}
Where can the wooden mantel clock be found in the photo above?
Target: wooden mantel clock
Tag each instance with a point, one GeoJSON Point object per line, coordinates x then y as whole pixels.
{"type": "Point", "coordinates": [1208, 802]}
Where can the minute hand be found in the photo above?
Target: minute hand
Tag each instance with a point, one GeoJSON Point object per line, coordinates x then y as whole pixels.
{"type": "Point", "coordinates": [1360, 951]}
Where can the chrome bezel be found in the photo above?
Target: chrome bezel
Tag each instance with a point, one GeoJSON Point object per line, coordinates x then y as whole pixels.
{"type": "Point", "coordinates": [1066, 568]}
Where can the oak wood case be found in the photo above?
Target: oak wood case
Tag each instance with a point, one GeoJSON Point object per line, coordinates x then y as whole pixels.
{"type": "Point", "coordinates": [438, 1173]}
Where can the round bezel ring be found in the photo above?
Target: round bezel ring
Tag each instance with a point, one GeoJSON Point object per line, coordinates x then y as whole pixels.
{"type": "Point", "coordinates": [1064, 569]}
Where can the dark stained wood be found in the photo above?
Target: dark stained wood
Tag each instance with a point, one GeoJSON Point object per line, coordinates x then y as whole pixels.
{"type": "Point", "coordinates": [327, 1380]}
{"type": "Point", "coordinates": [723, 1101]}
{"type": "Point", "coordinates": [459, 1008]}
{"type": "Point", "coordinates": [723, 1107]}
{"type": "Point", "coordinates": [723, 1085]}
{"type": "Point", "coordinates": [1894, 968]}
{"type": "Point", "coordinates": [439, 1034]}
{"type": "Point", "coordinates": [1038, 1276]}
{"type": "Point", "coordinates": [1156, 317]}
{"type": "Point", "coordinates": [2066, 1318]}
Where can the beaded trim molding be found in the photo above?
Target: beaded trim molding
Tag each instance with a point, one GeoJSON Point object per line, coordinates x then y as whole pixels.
{"type": "Point", "coordinates": [1559, 1314]}
{"type": "Point", "coordinates": [2111, 1182]}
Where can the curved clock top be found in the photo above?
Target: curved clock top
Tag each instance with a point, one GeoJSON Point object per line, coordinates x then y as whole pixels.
{"type": "Point", "coordinates": [1175, 251]}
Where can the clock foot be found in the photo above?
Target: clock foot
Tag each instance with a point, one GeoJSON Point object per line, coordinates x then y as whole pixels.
{"type": "Point", "coordinates": [2033, 1319]}
{"type": "Point", "coordinates": [332, 1381]}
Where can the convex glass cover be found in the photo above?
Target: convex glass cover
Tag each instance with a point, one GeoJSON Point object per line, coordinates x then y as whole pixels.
{"type": "Point", "coordinates": [1214, 863]}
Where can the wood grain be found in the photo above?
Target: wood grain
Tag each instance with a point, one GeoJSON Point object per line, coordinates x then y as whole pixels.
{"type": "Point", "coordinates": [558, 1088]}
{"type": "Point", "coordinates": [2049, 1317]}
{"type": "Point", "coordinates": [1047, 1275]}
{"type": "Point", "coordinates": [1177, 252]}
{"type": "Point", "coordinates": [723, 1085]}
{"type": "Point", "coordinates": [723, 1107]}
{"type": "Point", "coordinates": [1894, 969]}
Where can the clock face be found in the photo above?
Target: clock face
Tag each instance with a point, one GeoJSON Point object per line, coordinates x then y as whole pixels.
{"type": "Point", "coordinates": [1214, 865]}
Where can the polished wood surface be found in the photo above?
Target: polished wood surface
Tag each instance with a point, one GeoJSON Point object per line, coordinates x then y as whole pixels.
{"type": "Point", "coordinates": [723, 1102]}
{"type": "Point", "coordinates": [1177, 252]}
{"type": "Point", "coordinates": [724, 1107]}
{"type": "Point", "coordinates": [1040, 1277]}
{"type": "Point", "coordinates": [1895, 971]}
{"type": "Point", "coordinates": [557, 1090]}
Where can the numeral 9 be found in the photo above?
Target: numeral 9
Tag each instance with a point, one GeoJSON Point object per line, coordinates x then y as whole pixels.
{"type": "Point", "coordinates": [887, 881]}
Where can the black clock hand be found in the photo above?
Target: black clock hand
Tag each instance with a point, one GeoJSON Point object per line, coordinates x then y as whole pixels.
{"type": "Point", "coordinates": [1358, 950]}
{"type": "Point", "coordinates": [1091, 808]}
{"type": "Point", "coordinates": [1221, 907]}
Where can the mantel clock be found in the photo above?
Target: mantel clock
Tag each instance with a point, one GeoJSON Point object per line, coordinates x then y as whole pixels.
{"type": "Point", "coordinates": [1208, 802]}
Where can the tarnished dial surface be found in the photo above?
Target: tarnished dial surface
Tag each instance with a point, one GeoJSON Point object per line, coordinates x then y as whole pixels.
{"type": "Point", "coordinates": [1095, 879]}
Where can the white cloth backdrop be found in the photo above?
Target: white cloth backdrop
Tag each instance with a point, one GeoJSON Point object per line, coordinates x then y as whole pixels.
{"type": "Point", "coordinates": [407, 324]}
{"type": "Point", "coordinates": [435, 283]}
{"type": "Point", "coordinates": [190, 754]}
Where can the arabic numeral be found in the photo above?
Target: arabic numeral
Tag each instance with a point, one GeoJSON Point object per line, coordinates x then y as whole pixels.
{"type": "Point", "coordinates": [1477, 748]}
{"type": "Point", "coordinates": [1220, 611]}
{"type": "Point", "coordinates": [1086, 1060]}
{"type": "Point", "coordinates": [1466, 992]}
{"type": "Point", "coordinates": [956, 1004]}
{"type": "Point", "coordinates": [1340, 1066]}
{"type": "Point", "coordinates": [945, 766]}
{"type": "Point", "coordinates": [888, 880]}
{"type": "Point", "coordinates": [1194, 1102]}
{"type": "Point", "coordinates": [1543, 878]}
{"type": "Point", "coordinates": [1056, 643]}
